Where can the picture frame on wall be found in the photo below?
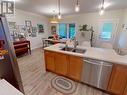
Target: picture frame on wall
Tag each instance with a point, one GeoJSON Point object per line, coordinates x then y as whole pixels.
{"type": "Point", "coordinates": [23, 30]}
{"type": "Point", "coordinates": [29, 29]}
{"type": "Point", "coordinates": [40, 28]}
{"type": "Point", "coordinates": [28, 23]}
{"type": "Point", "coordinates": [53, 29]}
{"type": "Point", "coordinates": [34, 32]}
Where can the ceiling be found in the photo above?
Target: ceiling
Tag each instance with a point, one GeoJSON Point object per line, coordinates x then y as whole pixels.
{"type": "Point", "coordinates": [46, 7]}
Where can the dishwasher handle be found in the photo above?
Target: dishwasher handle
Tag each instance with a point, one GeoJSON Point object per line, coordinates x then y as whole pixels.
{"type": "Point", "coordinates": [99, 64]}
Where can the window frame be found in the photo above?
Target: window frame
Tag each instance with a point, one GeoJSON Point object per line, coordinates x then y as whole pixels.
{"type": "Point", "coordinates": [59, 29]}
{"type": "Point", "coordinates": [67, 29]}
{"type": "Point", "coordinates": [115, 27]}
{"type": "Point", "coordinates": [106, 39]}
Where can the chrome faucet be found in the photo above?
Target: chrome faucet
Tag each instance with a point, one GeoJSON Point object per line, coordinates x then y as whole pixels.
{"type": "Point", "coordinates": [75, 43]}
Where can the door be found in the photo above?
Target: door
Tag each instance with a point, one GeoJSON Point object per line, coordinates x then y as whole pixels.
{"type": "Point", "coordinates": [61, 63]}
{"type": "Point", "coordinates": [107, 33]}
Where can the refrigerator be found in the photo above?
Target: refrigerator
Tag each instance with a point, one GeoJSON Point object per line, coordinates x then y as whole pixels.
{"type": "Point", "coordinates": [9, 69]}
{"type": "Point", "coordinates": [122, 43]}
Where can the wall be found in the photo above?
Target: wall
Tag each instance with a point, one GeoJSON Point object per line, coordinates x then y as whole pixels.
{"type": "Point", "coordinates": [125, 17]}
{"type": "Point", "coordinates": [93, 19]}
{"type": "Point", "coordinates": [21, 16]}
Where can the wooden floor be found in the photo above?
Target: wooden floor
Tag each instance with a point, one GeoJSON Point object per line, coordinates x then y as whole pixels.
{"type": "Point", "coordinates": [37, 81]}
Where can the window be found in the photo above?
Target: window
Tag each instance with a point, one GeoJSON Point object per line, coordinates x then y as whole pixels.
{"type": "Point", "coordinates": [67, 30]}
{"type": "Point", "coordinates": [71, 31]}
{"type": "Point", "coordinates": [62, 30]}
{"type": "Point", "coordinates": [107, 31]}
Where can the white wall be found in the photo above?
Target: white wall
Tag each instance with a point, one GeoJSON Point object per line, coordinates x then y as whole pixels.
{"type": "Point", "coordinates": [93, 19]}
{"type": "Point", "coordinates": [125, 17]}
{"type": "Point", "coordinates": [21, 16]}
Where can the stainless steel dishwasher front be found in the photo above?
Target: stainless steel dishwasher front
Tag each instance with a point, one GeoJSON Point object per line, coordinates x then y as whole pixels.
{"type": "Point", "coordinates": [96, 73]}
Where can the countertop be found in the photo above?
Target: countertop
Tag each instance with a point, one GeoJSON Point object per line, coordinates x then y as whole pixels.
{"type": "Point", "coordinates": [8, 89]}
{"type": "Point", "coordinates": [108, 55]}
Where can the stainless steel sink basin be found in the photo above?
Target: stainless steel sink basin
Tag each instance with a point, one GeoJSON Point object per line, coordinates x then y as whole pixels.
{"type": "Point", "coordinates": [67, 49]}
{"type": "Point", "coordinates": [77, 50]}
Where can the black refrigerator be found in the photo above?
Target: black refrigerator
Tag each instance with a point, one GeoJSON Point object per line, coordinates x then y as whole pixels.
{"type": "Point", "coordinates": [9, 69]}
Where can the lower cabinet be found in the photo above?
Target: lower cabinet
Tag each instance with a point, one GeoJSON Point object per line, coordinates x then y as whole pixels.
{"type": "Point", "coordinates": [49, 60]}
{"type": "Point", "coordinates": [125, 92]}
{"type": "Point", "coordinates": [67, 65]}
{"type": "Point", "coordinates": [71, 66]}
{"type": "Point", "coordinates": [75, 67]}
{"type": "Point", "coordinates": [118, 81]}
{"type": "Point", "coordinates": [61, 63]}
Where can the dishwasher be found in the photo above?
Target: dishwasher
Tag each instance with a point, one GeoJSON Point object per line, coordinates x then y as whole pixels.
{"type": "Point", "coordinates": [96, 73]}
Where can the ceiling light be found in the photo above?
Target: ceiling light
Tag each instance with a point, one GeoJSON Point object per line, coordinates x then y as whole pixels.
{"type": "Point", "coordinates": [101, 12]}
{"type": "Point", "coordinates": [54, 18]}
{"type": "Point", "coordinates": [102, 8]}
{"type": "Point", "coordinates": [59, 15]}
{"type": "Point", "coordinates": [77, 6]}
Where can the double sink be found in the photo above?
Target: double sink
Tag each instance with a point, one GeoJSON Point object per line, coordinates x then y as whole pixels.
{"type": "Point", "coordinates": [75, 50]}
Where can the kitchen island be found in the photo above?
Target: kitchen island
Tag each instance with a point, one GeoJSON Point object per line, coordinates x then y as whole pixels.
{"type": "Point", "coordinates": [70, 64]}
{"type": "Point", "coordinates": [91, 52]}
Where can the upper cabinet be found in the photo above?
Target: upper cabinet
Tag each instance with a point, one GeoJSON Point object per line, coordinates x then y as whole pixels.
{"type": "Point", "coordinates": [118, 81]}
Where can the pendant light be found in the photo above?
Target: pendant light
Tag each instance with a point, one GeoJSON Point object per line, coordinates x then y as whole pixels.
{"type": "Point", "coordinates": [59, 14]}
{"type": "Point", "coordinates": [54, 18]}
{"type": "Point", "coordinates": [102, 9]}
{"type": "Point", "coordinates": [77, 6]}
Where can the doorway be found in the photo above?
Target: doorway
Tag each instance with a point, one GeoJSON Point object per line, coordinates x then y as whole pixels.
{"type": "Point", "coordinates": [107, 33]}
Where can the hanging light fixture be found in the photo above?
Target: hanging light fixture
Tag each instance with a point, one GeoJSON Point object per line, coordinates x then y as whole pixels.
{"type": "Point", "coordinates": [102, 8]}
{"type": "Point", "coordinates": [59, 14]}
{"type": "Point", "coordinates": [77, 6]}
{"type": "Point", "coordinates": [54, 18]}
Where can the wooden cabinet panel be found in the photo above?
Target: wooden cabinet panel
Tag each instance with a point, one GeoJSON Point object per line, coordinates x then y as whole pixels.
{"type": "Point", "coordinates": [67, 65]}
{"type": "Point", "coordinates": [61, 63]}
{"type": "Point", "coordinates": [125, 92]}
{"type": "Point", "coordinates": [118, 80]}
{"type": "Point", "coordinates": [49, 60]}
{"type": "Point", "coordinates": [75, 67]}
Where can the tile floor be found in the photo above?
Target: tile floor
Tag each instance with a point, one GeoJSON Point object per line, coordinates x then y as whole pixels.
{"type": "Point", "coordinates": [37, 81]}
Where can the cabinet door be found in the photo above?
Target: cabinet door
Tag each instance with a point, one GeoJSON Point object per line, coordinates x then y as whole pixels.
{"type": "Point", "coordinates": [75, 67]}
{"type": "Point", "coordinates": [49, 61]}
{"type": "Point", "coordinates": [125, 92]}
{"type": "Point", "coordinates": [118, 80]}
{"type": "Point", "coordinates": [61, 63]}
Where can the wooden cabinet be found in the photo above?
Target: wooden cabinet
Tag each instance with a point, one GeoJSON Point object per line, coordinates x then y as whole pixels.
{"type": "Point", "coordinates": [61, 63]}
{"type": "Point", "coordinates": [49, 60]}
{"type": "Point", "coordinates": [66, 65]}
{"type": "Point", "coordinates": [75, 67]}
{"type": "Point", "coordinates": [125, 91]}
{"type": "Point", "coordinates": [118, 81]}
